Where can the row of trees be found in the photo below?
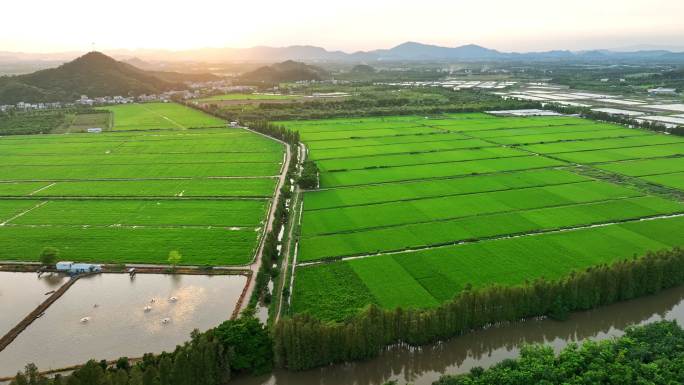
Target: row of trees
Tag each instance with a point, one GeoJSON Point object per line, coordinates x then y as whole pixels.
{"type": "Point", "coordinates": [211, 358]}
{"type": "Point", "coordinates": [651, 354]}
{"type": "Point", "coordinates": [271, 258]}
{"type": "Point", "coordinates": [303, 342]}
{"type": "Point", "coordinates": [374, 101]}
{"type": "Point", "coordinates": [309, 178]}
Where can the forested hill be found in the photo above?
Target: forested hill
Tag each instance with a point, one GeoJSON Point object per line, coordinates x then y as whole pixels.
{"type": "Point", "coordinates": [287, 71]}
{"type": "Point", "coordinates": [93, 74]}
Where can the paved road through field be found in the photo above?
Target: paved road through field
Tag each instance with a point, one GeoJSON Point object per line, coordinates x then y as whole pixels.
{"type": "Point", "coordinates": [256, 263]}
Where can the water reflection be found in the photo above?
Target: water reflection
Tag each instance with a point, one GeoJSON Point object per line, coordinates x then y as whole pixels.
{"type": "Point", "coordinates": [485, 347]}
{"type": "Point", "coordinates": [111, 315]}
{"type": "Point", "coordinates": [20, 293]}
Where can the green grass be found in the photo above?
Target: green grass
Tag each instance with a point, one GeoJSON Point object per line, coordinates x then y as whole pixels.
{"type": "Point", "coordinates": [20, 188]}
{"type": "Point", "coordinates": [10, 208]}
{"type": "Point", "coordinates": [482, 226]}
{"type": "Point", "coordinates": [141, 171]}
{"type": "Point", "coordinates": [588, 145]}
{"type": "Point", "coordinates": [154, 116]}
{"type": "Point", "coordinates": [359, 163]}
{"type": "Point", "coordinates": [440, 208]}
{"type": "Point", "coordinates": [392, 192]}
{"type": "Point", "coordinates": [675, 180]}
{"type": "Point", "coordinates": [576, 128]}
{"type": "Point", "coordinates": [343, 291]}
{"type": "Point", "coordinates": [168, 184]}
{"type": "Point", "coordinates": [188, 188]}
{"type": "Point", "coordinates": [378, 142]}
{"type": "Point", "coordinates": [558, 137]}
{"type": "Point", "coordinates": [350, 134]}
{"type": "Point", "coordinates": [619, 154]}
{"type": "Point", "coordinates": [443, 272]}
{"type": "Point", "coordinates": [485, 199]}
{"type": "Point", "coordinates": [216, 246]}
{"type": "Point", "coordinates": [394, 174]}
{"type": "Point", "coordinates": [453, 143]}
{"type": "Point", "coordinates": [646, 166]}
{"type": "Point", "coordinates": [160, 213]}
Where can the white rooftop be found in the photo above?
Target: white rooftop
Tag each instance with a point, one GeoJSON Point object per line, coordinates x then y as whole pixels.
{"type": "Point", "coordinates": [617, 111]}
{"type": "Point", "coordinates": [623, 102]}
{"type": "Point", "coordinates": [677, 107]}
{"type": "Point", "coordinates": [665, 119]}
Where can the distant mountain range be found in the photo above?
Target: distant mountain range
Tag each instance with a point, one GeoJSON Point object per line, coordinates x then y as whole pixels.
{"type": "Point", "coordinates": [93, 74]}
{"type": "Point", "coordinates": [287, 71]}
{"type": "Point", "coordinates": [410, 51]}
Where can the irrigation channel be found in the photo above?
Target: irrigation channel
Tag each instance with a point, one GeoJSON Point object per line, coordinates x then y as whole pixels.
{"type": "Point", "coordinates": [107, 316]}
{"type": "Point", "coordinates": [485, 347]}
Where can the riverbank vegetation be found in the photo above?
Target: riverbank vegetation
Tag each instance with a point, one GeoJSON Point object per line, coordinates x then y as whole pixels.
{"type": "Point", "coordinates": [650, 354]}
{"type": "Point", "coordinates": [241, 346]}
{"type": "Point", "coordinates": [303, 342]}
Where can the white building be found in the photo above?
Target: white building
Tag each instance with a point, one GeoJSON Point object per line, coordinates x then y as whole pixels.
{"type": "Point", "coordinates": [95, 130]}
{"type": "Point", "coordinates": [76, 268]}
{"type": "Point", "coordinates": [662, 91]}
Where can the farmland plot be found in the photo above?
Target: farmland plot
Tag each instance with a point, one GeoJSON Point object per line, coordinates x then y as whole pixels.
{"type": "Point", "coordinates": [133, 197]}
{"type": "Point", "coordinates": [155, 116]}
{"type": "Point", "coordinates": [411, 215]}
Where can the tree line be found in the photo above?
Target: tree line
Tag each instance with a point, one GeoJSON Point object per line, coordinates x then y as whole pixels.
{"type": "Point", "coordinates": [303, 342]}
{"type": "Point", "coordinates": [651, 354]}
{"type": "Point", "coordinates": [271, 256]}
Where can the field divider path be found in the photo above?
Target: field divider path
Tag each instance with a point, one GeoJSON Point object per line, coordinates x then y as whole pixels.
{"type": "Point", "coordinates": [297, 204]}
{"type": "Point", "coordinates": [492, 238]}
{"type": "Point", "coordinates": [42, 188]}
{"type": "Point", "coordinates": [35, 314]}
{"type": "Point", "coordinates": [164, 117]}
{"type": "Point", "coordinates": [256, 262]}
{"type": "Point", "coordinates": [40, 204]}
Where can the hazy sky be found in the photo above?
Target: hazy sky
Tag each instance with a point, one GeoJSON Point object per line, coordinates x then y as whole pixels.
{"type": "Point", "coordinates": [508, 25]}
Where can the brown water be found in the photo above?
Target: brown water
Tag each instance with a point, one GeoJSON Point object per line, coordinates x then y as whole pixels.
{"type": "Point", "coordinates": [485, 347]}
{"type": "Point", "coordinates": [118, 324]}
{"type": "Point", "coordinates": [20, 293]}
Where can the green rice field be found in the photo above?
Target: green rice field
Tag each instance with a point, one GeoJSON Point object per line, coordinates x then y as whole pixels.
{"type": "Point", "coordinates": [155, 116]}
{"type": "Point", "coordinates": [134, 196]}
{"type": "Point", "coordinates": [411, 210]}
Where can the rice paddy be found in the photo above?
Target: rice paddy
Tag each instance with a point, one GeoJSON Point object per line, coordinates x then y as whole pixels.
{"type": "Point", "coordinates": [413, 209]}
{"type": "Point", "coordinates": [134, 196]}
{"type": "Point", "coordinates": [156, 116]}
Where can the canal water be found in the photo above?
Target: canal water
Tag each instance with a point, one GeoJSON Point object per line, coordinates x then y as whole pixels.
{"type": "Point", "coordinates": [112, 315]}
{"type": "Point", "coordinates": [20, 293]}
{"type": "Point", "coordinates": [485, 347]}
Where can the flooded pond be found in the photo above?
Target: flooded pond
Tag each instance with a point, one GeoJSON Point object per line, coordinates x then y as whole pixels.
{"type": "Point", "coordinates": [20, 293]}
{"type": "Point", "coordinates": [485, 347]}
{"type": "Point", "coordinates": [111, 315]}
